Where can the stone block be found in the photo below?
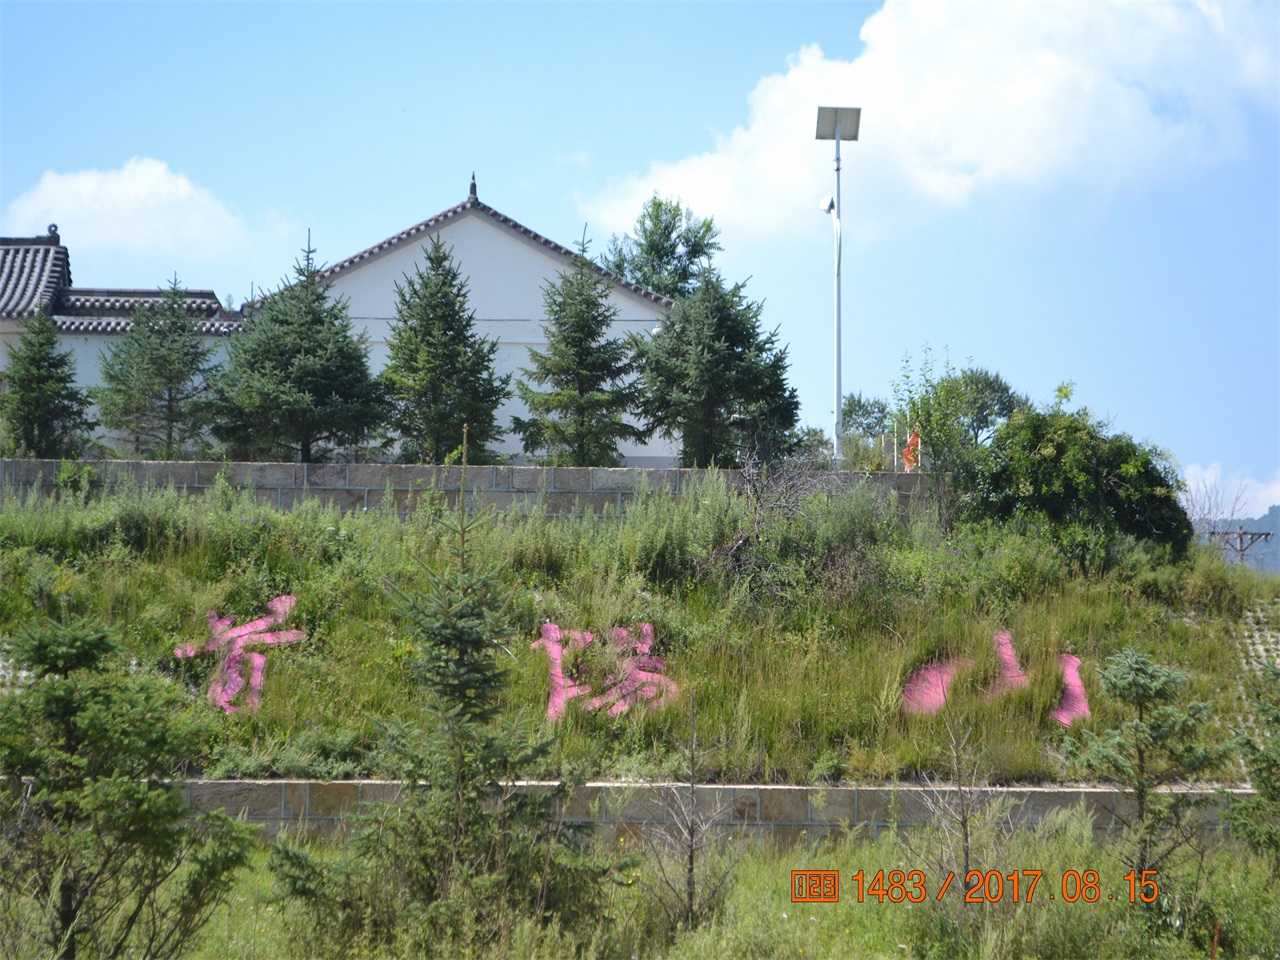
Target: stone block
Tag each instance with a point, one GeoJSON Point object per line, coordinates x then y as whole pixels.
{"type": "Point", "coordinates": [295, 799]}
{"type": "Point", "coordinates": [616, 479]}
{"type": "Point", "coordinates": [162, 473]}
{"type": "Point", "coordinates": [784, 804]}
{"type": "Point", "coordinates": [570, 504]}
{"type": "Point", "coordinates": [367, 475]}
{"type": "Point", "coordinates": [746, 804]}
{"type": "Point", "coordinates": [28, 472]}
{"type": "Point", "coordinates": [881, 804]}
{"type": "Point", "coordinates": [833, 805]}
{"type": "Point", "coordinates": [268, 495]}
{"type": "Point", "coordinates": [268, 475]}
{"type": "Point", "coordinates": [712, 804]}
{"type": "Point", "coordinates": [1124, 809]}
{"type": "Point", "coordinates": [620, 838]}
{"type": "Point", "coordinates": [639, 803]}
{"type": "Point", "coordinates": [381, 791]}
{"type": "Point", "coordinates": [586, 802]}
{"type": "Point", "coordinates": [333, 799]}
{"type": "Point", "coordinates": [478, 478]}
{"type": "Point", "coordinates": [502, 500]}
{"type": "Point", "coordinates": [341, 497]}
{"type": "Point", "coordinates": [529, 479]}
{"type": "Point", "coordinates": [570, 479]}
{"type": "Point", "coordinates": [255, 799]}
{"type": "Point", "coordinates": [323, 474]}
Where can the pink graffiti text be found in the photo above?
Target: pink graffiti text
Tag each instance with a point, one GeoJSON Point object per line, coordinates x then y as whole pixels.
{"type": "Point", "coordinates": [638, 677]}
{"type": "Point", "coordinates": [232, 642]}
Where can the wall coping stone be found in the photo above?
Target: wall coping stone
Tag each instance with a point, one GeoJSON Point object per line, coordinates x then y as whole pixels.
{"type": "Point", "coordinates": [782, 813]}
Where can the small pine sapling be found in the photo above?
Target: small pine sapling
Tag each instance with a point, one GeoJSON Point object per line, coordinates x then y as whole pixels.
{"type": "Point", "coordinates": [1162, 744]}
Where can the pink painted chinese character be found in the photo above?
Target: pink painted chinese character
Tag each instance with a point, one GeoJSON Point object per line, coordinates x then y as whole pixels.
{"type": "Point", "coordinates": [1011, 676]}
{"type": "Point", "coordinates": [562, 688]}
{"type": "Point", "coordinates": [926, 690]}
{"type": "Point", "coordinates": [1075, 703]}
{"type": "Point", "coordinates": [229, 681]}
{"type": "Point", "coordinates": [639, 675]}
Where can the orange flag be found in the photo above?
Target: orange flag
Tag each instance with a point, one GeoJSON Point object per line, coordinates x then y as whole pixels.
{"type": "Point", "coordinates": [911, 453]}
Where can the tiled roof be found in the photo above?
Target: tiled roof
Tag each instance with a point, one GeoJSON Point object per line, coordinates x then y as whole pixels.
{"type": "Point", "coordinates": [87, 301]}
{"type": "Point", "coordinates": [32, 270]}
{"type": "Point", "coordinates": [471, 203]}
{"type": "Point", "coordinates": [208, 328]}
{"type": "Point", "coordinates": [35, 274]}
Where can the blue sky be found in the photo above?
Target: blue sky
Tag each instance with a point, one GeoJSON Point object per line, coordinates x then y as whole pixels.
{"type": "Point", "coordinates": [1055, 191]}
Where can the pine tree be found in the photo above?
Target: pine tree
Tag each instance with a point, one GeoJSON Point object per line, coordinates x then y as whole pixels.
{"type": "Point", "coordinates": [581, 418]}
{"type": "Point", "coordinates": [440, 375]}
{"type": "Point", "coordinates": [156, 379]}
{"type": "Point", "coordinates": [670, 251]}
{"type": "Point", "coordinates": [713, 379]}
{"type": "Point", "coordinates": [43, 412]}
{"type": "Point", "coordinates": [96, 841]}
{"type": "Point", "coordinates": [298, 378]}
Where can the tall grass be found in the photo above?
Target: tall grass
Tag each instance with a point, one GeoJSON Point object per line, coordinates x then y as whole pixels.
{"type": "Point", "coordinates": [1227, 890]}
{"type": "Point", "coordinates": [795, 620]}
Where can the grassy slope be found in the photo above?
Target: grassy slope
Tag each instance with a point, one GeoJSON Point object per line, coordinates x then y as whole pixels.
{"type": "Point", "coordinates": [794, 626]}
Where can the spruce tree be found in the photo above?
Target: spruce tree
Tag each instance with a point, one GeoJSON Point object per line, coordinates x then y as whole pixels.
{"type": "Point", "coordinates": [1162, 743]}
{"type": "Point", "coordinates": [43, 412]}
{"type": "Point", "coordinates": [715, 381]}
{"type": "Point", "coordinates": [449, 867]}
{"type": "Point", "coordinates": [440, 374]}
{"type": "Point", "coordinates": [298, 378]}
{"type": "Point", "coordinates": [581, 417]}
{"type": "Point", "coordinates": [156, 379]}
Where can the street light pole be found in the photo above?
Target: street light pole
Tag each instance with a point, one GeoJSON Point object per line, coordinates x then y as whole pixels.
{"type": "Point", "coordinates": [838, 123]}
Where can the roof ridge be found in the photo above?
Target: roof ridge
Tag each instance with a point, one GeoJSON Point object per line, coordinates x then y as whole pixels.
{"type": "Point", "coordinates": [471, 203]}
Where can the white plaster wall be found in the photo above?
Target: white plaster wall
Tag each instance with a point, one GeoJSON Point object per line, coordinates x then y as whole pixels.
{"type": "Point", "coordinates": [506, 273]}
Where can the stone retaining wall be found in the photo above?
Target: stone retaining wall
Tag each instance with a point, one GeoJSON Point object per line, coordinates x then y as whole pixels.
{"type": "Point", "coordinates": [785, 815]}
{"type": "Point", "coordinates": [364, 486]}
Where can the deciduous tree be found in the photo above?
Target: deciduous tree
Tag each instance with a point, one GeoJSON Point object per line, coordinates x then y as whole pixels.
{"type": "Point", "coordinates": [1062, 468]}
{"type": "Point", "coordinates": [441, 372]}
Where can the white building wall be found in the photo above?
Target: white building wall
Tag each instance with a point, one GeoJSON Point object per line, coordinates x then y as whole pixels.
{"type": "Point", "coordinates": [506, 273]}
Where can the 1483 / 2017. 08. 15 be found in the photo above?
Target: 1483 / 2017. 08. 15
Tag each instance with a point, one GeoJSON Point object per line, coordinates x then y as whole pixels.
{"type": "Point", "coordinates": [992, 886]}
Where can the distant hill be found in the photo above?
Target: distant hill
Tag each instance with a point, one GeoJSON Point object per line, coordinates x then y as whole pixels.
{"type": "Point", "coordinates": [1261, 556]}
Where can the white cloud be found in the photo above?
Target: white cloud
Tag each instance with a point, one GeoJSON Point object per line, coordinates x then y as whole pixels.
{"type": "Point", "coordinates": [142, 223]}
{"type": "Point", "coordinates": [957, 97]}
{"type": "Point", "coordinates": [1233, 496]}
{"type": "Point", "coordinates": [141, 207]}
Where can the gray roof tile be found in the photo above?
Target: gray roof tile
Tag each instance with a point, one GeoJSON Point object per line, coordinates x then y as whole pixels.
{"type": "Point", "coordinates": [35, 274]}
{"type": "Point", "coordinates": [32, 270]}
